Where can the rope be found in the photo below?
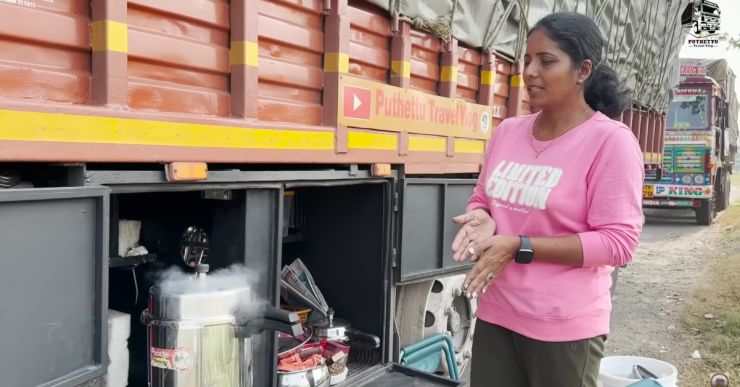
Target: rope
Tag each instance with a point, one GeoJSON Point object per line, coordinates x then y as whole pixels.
{"type": "Point", "coordinates": [500, 23]}
{"type": "Point", "coordinates": [439, 27]}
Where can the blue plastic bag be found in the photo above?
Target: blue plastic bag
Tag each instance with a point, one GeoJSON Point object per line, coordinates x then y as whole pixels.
{"type": "Point", "coordinates": [646, 383]}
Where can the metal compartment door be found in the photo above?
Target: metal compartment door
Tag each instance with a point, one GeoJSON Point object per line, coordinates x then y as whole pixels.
{"type": "Point", "coordinates": [262, 216]}
{"type": "Point", "coordinates": [426, 230]}
{"type": "Point", "coordinates": [54, 298]}
{"type": "Point", "coordinates": [393, 375]}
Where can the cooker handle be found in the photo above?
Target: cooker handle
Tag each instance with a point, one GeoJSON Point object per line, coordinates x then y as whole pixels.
{"type": "Point", "coordinates": [362, 339]}
{"type": "Point", "coordinates": [277, 314]}
{"type": "Point", "coordinates": [145, 318]}
{"type": "Point", "coordinates": [260, 325]}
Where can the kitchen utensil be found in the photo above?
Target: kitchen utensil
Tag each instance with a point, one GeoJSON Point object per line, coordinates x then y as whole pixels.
{"type": "Point", "coordinates": [198, 337]}
{"type": "Point", "coordinates": [194, 246]}
{"type": "Point", "coordinates": [314, 377]}
{"type": "Point", "coordinates": [336, 329]}
{"type": "Point", "coordinates": [641, 372]}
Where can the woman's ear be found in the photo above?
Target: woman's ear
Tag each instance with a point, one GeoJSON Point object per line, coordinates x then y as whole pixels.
{"type": "Point", "coordinates": [586, 69]}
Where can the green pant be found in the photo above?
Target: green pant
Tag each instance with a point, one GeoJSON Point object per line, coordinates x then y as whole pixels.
{"type": "Point", "coordinates": [502, 358]}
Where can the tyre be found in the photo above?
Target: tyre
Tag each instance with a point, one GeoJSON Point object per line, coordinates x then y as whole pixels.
{"type": "Point", "coordinates": [728, 189]}
{"type": "Point", "coordinates": [720, 192]}
{"type": "Point", "coordinates": [705, 213]}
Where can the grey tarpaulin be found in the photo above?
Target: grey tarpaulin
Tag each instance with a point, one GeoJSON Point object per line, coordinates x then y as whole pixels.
{"type": "Point", "coordinates": [643, 37]}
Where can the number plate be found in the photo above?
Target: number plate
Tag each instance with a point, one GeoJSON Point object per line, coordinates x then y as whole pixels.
{"type": "Point", "coordinates": [647, 191]}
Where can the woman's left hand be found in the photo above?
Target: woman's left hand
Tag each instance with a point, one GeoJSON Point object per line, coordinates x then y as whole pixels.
{"type": "Point", "coordinates": [497, 252]}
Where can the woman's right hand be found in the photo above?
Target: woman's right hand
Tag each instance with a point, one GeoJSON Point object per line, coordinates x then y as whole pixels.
{"type": "Point", "coordinates": [477, 225]}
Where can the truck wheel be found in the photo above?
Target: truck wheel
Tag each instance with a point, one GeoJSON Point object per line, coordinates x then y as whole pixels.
{"type": "Point", "coordinates": [720, 192]}
{"type": "Point", "coordinates": [438, 306]}
{"type": "Point", "coordinates": [705, 213]}
{"type": "Point", "coordinates": [728, 189]}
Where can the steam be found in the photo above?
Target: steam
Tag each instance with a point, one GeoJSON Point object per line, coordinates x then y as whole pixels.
{"type": "Point", "coordinates": [175, 281]}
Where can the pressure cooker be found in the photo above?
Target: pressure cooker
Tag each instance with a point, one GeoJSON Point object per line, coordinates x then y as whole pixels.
{"type": "Point", "coordinates": [199, 335]}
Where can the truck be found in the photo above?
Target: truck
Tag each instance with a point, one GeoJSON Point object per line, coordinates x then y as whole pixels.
{"type": "Point", "coordinates": [344, 133]}
{"type": "Point", "coordinates": [700, 142]}
{"type": "Point", "coordinates": [703, 17]}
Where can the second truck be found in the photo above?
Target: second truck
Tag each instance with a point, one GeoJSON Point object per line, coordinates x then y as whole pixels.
{"type": "Point", "coordinates": [344, 133]}
{"type": "Point", "coordinates": [700, 142]}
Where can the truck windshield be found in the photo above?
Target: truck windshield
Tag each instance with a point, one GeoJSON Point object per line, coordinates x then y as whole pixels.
{"type": "Point", "coordinates": [710, 9]}
{"type": "Point", "coordinates": [689, 109]}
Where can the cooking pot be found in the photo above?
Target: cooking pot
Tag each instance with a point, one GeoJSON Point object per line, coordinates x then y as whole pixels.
{"type": "Point", "coordinates": [315, 377]}
{"type": "Point", "coordinates": [199, 334]}
{"type": "Point", "coordinates": [304, 345]}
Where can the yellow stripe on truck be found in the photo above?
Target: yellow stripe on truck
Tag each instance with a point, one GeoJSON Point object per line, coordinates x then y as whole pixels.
{"type": "Point", "coordinates": [34, 126]}
{"type": "Point", "coordinates": [401, 68]}
{"type": "Point", "coordinates": [108, 35]}
{"type": "Point", "coordinates": [517, 80]}
{"type": "Point", "coordinates": [427, 144]}
{"type": "Point", "coordinates": [376, 141]}
{"type": "Point", "coordinates": [487, 77]}
{"type": "Point", "coordinates": [449, 74]}
{"type": "Point", "coordinates": [336, 62]}
{"type": "Point", "coordinates": [467, 146]}
{"type": "Point", "coordinates": [244, 53]}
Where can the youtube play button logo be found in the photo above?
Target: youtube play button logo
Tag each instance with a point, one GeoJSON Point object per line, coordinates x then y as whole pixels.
{"type": "Point", "coordinates": [357, 102]}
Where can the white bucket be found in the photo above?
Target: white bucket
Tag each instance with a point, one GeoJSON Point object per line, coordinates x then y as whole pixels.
{"type": "Point", "coordinates": [616, 371]}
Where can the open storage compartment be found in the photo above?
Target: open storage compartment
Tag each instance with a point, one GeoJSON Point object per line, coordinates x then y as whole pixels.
{"type": "Point", "coordinates": [242, 227]}
{"type": "Point", "coordinates": [341, 232]}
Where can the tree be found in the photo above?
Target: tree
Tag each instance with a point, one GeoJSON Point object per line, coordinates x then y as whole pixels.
{"type": "Point", "coordinates": [733, 42]}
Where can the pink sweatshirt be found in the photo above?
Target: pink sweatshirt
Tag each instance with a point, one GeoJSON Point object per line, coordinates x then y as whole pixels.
{"type": "Point", "coordinates": [587, 182]}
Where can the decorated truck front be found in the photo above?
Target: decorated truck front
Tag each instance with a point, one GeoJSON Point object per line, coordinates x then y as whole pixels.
{"type": "Point", "coordinates": [699, 144]}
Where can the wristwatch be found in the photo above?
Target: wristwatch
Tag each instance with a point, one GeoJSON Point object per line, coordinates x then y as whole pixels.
{"type": "Point", "coordinates": [525, 253]}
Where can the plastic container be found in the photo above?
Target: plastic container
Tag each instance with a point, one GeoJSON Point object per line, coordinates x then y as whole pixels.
{"type": "Point", "coordinates": [616, 371]}
{"type": "Point", "coordinates": [119, 330]}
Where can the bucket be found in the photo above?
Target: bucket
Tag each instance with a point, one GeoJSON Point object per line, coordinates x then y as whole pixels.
{"type": "Point", "coordinates": [616, 371]}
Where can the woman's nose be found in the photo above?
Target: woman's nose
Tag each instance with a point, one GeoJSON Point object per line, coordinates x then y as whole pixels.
{"type": "Point", "coordinates": [530, 71]}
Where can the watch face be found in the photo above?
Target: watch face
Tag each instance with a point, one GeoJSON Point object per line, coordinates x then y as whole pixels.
{"type": "Point", "coordinates": [524, 256]}
{"type": "Point", "coordinates": [525, 253]}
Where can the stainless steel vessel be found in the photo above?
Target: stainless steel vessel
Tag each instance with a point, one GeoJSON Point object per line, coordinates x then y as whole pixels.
{"type": "Point", "coordinates": [314, 377]}
{"type": "Point", "coordinates": [199, 333]}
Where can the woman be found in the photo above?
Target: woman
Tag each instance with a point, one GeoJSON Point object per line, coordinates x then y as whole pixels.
{"type": "Point", "coordinates": [557, 206]}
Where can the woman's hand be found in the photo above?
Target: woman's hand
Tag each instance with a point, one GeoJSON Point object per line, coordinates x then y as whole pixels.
{"type": "Point", "coordinates": [496, 252]}
{"type": "Point", "coordinates": [477, 226]}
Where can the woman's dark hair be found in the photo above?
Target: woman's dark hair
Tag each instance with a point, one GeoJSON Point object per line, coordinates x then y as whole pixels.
{"type": "Point", "coordinates": [581, 39]}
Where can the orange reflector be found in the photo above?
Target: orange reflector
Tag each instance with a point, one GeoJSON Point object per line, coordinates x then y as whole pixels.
{"type": "Point", "coordinates": [381, 170]}
{"type": "Point", "coordinates": [186, 171]}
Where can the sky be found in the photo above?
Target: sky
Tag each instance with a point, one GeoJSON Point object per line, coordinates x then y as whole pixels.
{"type": "Point", "coordinates": [728, 24]}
